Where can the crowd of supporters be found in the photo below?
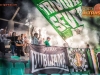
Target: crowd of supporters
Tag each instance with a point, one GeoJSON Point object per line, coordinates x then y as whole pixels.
{"type": "Point", "coordinates": [18, 43]}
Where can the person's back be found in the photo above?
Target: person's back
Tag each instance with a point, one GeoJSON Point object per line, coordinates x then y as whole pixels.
{"type": "Point", "coordinates": [47, 42]}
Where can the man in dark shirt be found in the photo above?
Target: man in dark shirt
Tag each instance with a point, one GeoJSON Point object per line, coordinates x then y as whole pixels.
{"type": "Point", "coordinates": [19, 46]}
{"type": "Point", "coordinates": [12, 43]}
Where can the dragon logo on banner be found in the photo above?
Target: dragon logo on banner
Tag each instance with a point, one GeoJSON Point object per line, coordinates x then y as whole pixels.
{"type": "Point", "coordinates": [78, 59]}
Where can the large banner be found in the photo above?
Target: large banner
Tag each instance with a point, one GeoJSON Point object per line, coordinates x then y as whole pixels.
{"type": "Point", "coordinates": [49, 57]}
{"type": "Point", "coordinates": [63, 15]}
{"type": "Point", "coordinates": [58, 59]}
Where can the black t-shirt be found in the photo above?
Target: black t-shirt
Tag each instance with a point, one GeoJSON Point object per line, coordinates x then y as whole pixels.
{"type": "Point", "coordinates": [13, 39]}
{"type": "Point", "coordinates": [19, 42]}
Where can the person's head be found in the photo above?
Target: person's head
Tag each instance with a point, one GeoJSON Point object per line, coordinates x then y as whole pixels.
{"type": "Point", "coordinates": [36, 34]}
{"type": "Point", "coordinates": [14, 34]}
{"type": "Point", "coordinates": [22, 35]}
{"type": "Point", "coordinates": [2, 31]}
{"type": "Point", "coordinates": [87, 45]}
{"type": "Point", "coordinates": [65, 44]}
{"type": "Point", "coordinates": [25, 36]}
{"type": "Point", "coordinates": [48, 38]}
{"type": "Point", "coordinates": [19, 38]}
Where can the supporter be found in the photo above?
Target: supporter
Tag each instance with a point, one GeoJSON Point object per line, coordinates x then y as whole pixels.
{"type": "Point", "coordinates": [1, 37]}
{"type": "Point", "coordinates": [41, 41]}
{"type": "Point", "coordinates": [66, 44]}
{"type": "Point", "coordinates": [1, 33]}
{"type": "Point", "coordinates": [19, 46]}
{"type": "Point", "coordinates": [4, 37]}
{"type": "Point", "coordinates": [87, 47]}
{"type": "Point", "coordinates": [12, 43]}
{"type": "Point", "coordinates": [35, 38]}
{"type": "Point", "coordinates": [47, 42]}
{"type": "Point", "coordinates": [10, 33]}
{"type": "Point", "coordinates": [22, 37]}
{"type": "Point", "coordinates": [26, 42]}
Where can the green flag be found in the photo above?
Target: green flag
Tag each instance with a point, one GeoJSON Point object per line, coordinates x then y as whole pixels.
{"type": "Point", "coordinates": [63, 15]}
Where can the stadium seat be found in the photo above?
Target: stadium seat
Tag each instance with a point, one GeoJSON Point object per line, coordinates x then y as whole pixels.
{"type": "Point", "coordinates": [15, 57]}
{"type": "Point", "coordinates": [3, 63]}
{"type": "Point", "coordinates": [20, 65]}
{"type": "Point", "coordinates": [3, 71]}
{"type": "Point", "coordinates": [0, 64]}
{"type": "Point", "coordinates": [28, 64]}
{"type": "Point", "coordinates": [16, 71]}
{"type": "Point", "coordinates": [42, 74]}
{"type": "Point", "coordinates": [28, 74]}
{"type": "Point", "coordinates": [75, 73]}
{"type": "Point", "coordinates": [7, 64]}
{"type": "Point", "coordinates": [84, 74]}
{"type": "Point", "coordinates": [66, 74]}
{"type": "Point", "coordinates": [10, 64]}
{"type": "Point", "coordinates": [55, 74]}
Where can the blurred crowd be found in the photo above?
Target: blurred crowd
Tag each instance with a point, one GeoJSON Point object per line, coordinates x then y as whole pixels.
{"type": "Point", "coordinates": [19, 42]}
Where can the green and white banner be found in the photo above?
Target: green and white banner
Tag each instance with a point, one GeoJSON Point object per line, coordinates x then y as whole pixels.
{"type": "Point", "coordinates": [63, 15]}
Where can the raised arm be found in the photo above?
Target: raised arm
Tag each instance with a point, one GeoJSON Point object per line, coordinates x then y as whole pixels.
{"type": "Point", "coordinates": [32, 31]}
{"type": "Point", "coordinates": [39, 33]}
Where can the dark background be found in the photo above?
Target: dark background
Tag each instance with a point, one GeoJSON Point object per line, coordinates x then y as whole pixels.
{"type": "Point", "coordinates": [7, 12]}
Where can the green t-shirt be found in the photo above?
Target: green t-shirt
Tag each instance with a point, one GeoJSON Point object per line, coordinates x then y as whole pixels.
{"type": "Point", "coordinates": [47, 43]}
